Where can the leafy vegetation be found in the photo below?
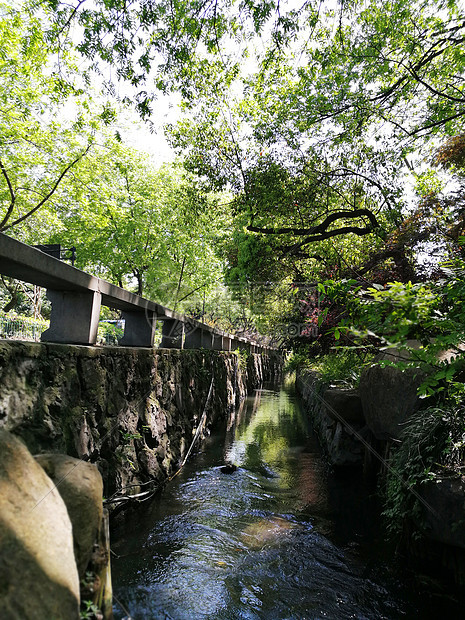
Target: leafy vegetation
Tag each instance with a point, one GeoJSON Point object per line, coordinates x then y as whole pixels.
{"type": "Point", "coordinates": [432, 446]}
{"type": "Point", "coordinates": [242, 358]}
{"type": "Point", "coordinates": [90, 611]}
{"type": "Point", "coordinates": [314, 137]}
{"type": "Point", "coordinates": [342, 367]}
{"type": "Point", "coordinates": [319, 194]}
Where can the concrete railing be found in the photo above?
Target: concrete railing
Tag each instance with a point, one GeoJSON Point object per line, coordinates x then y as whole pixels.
{"type": "Point", "coordinates": [77, 297]}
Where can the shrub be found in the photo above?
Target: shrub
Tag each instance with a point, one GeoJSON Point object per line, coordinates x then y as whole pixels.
{"type": "Point", "coordinates": [432, 446]}
{"type": "Point", "coordinates": [342, 366]}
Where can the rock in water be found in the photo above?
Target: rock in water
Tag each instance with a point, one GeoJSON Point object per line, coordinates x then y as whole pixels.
{"type": "Point", "coordinates": [80, 485]}
{"type": "Point", "coordinates": [38, 575]}
{"type": "Point", "coordinates": [266, 532]}
{"type": "Point", "coordinates": [229, 468]}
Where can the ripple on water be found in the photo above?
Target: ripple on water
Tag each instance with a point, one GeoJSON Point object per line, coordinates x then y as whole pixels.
{"type": "Point", "coordinates": [249, 545]}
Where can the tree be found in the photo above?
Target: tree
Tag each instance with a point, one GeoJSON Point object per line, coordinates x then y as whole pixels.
{"type": "Point", "coordinates": [70, 181]}
{"type": "Point", "coordinates": [394, 51]}
{"type": "Point", "coordinates": [161, 39]}
{"type": "Point", "coordinates": [145, 229]}
{"type": "Point", "coordinates": [37, 151]}
{"type": "Point", "coordinates": [335, 102]}
{"type": "Point", "coordinates": [320, 140]}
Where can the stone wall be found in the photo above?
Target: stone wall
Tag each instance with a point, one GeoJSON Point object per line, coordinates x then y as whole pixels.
{"type": "Point", "coordinates": [378, 412]}
{"type": "Point", "coordinates": [131, 411]}
{"type": "Point", "coordinates": [335, 414]}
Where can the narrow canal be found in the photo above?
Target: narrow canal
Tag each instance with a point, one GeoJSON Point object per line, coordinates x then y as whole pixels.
{"type": "Point", "coordinates": [282, 537]}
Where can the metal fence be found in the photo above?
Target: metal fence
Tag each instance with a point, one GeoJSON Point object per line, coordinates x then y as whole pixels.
{"type": "Point", "coordinates": [13, 327]}
{"type": "Point", "coordinates": [21, 328]}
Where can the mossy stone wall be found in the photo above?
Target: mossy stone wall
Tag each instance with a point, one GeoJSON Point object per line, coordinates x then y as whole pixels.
{"type": "Point", "coordinates": [131, 411]}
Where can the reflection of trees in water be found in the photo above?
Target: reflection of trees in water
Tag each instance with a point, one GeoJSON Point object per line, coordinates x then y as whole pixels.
{"type": "Point", "coordinates": [268, 429]}
{"type": "Point", "coordinates": [271, 438]}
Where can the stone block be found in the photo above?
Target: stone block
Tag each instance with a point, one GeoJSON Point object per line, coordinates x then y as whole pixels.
{"type": "Point", "coordinates": [80, 485]}
{"type": "Point", "coordinates": [172, 334]}
{"type": "Point", "coordinates": [217, 342]}
{"type": "Point", "coordinates": [193, 337]}
{"type": "Point", "coordinates": [74, 317]}
{"type": "Point", "coordinates": [38, 573]}
{"type": "Point", "coordinates": [444, 510]}
{"type": "Point", "coordinates": [345, 404]}
{"type": "Point", "coordinates": [207, 339]}
{"type": "Point", "coordinates": [389, 398]}
{"type": "Point", "coordinates": [139, 329]}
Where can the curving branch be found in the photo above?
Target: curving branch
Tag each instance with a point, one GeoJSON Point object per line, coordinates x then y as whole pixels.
{"type": "Point", "coordinates": [320, 231]}
{"type": "Point", "coordinates": [344, 230]}
{"type": "Point", "coordinates": [11, 206]}
{"type": "Point", "coordinates": [4, 226]}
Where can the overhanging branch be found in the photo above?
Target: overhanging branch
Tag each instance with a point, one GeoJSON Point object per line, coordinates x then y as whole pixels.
{"type": "Point", "coordinates": [320, 232]}
{"type": "Point", "coordinates": [345, 230]}
{"type": "Point", "coordinates": [12, 196]}
{"type": "Point", "coordinates": [50, 193]}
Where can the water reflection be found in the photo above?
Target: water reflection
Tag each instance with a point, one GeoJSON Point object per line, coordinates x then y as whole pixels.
{"type": "Point", "coordinates": [276, 539]}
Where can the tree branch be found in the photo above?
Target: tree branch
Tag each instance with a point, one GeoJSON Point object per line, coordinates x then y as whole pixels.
{"type": "Point", "coordinates": [321, 229]}
{"type": "Point", "coordinates": [12, 194]}
{"type": "Point", "coordinates": [50, 193]}
{"type": "Point", "coordinates": [345, 230]}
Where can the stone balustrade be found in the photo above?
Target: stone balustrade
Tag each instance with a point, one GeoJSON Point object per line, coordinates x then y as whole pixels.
{"type": "Point", "coordinates": [77, 297]}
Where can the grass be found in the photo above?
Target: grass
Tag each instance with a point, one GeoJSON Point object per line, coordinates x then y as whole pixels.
{"type": "Point", "coordinates": [341, 366]}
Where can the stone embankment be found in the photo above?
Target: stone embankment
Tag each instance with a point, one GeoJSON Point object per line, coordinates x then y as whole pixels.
{"type": "Point", "coordinates": [345, 419]}
{"type": "Point", "coordinates": [356, 427]}
{"type": "Point", "coordinates": [132, 413]}
{"type": "Point", "coordinates": [337, 418]}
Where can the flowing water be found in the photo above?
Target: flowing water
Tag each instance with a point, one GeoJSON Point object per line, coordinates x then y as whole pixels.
{"type": "Point", "coordinates": [279, 538]}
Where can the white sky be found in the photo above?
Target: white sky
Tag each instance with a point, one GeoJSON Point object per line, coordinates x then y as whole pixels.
{"type": "Point", "coordinates": [138, 135]}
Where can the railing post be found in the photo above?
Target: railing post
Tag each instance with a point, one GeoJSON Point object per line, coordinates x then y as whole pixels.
{"type": "Point", "coordinates": [244, 344]}
{"type": "Point", "coordinates": [139, 328]}
{"type": "Point", "coordinates": [217, 341]}
{"type": "Point", "coordinates": [74, 317]}
{"type": "Point", "coordinates": [172, 334]}
{"type": "Point", "coordinates": [207, 339]}
{"type": "Point", "coordinates": [193, 338]}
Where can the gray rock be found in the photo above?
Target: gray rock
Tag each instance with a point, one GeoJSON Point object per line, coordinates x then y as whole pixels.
{"type": "Point", "coordinates": [80, 485]}
{"type": "Point", "coordinates": [38, 574]}
{"type": "Point", "coordinates": [346, 404]}
{"type": "Point", "coordinates": [389, 397]}
{"type": "Point", "coordinates": [444, 512]}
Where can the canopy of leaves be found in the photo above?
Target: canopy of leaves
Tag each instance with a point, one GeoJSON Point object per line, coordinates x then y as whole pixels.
{"type": "Point", "coordinates": [144, 229]}
{"type": "Point", "coordinates": [46, 125]}
{"type": "Point", "coordinates": [310, 117]}
{"type": "Point", "coordinates": [317, 135]}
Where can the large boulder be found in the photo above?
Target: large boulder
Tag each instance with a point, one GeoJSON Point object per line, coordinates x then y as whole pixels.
{"type": "Point", "coordinates": [444, 510]}
{"type": "Point", "coordinates": [38, 575]}
{"type": "Point", "coordinates": [80, 485]}
{"type": "Point", "coordinates": [344, 404]}
{"type": "Point", "coordinates": [389, 398]}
